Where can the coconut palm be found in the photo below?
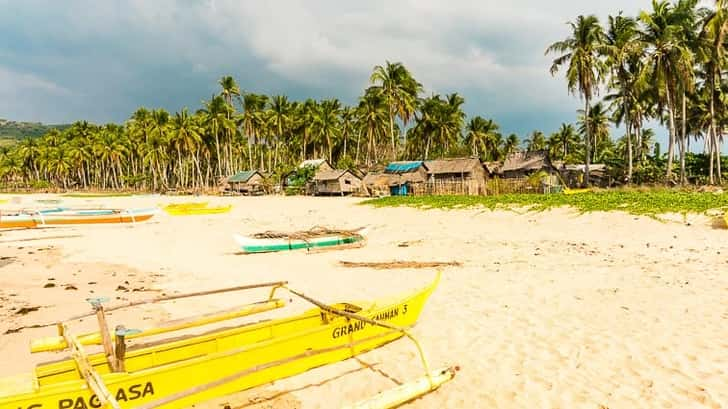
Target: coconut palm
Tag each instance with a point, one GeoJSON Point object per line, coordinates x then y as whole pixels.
{"type": "Point", "coordinates": [580, 53]}
{"type": "Point", "coordinates": [623, 50]}
{"type": "Point", "coordinates": [400, 91]}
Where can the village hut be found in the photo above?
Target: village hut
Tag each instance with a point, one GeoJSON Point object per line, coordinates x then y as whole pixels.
{"type": "Point", "coordinates": [456, 176]}
{"type": "Point", "coordinates": [319, 165]}
{"type": "Point", "coordinates": [524, 164]}
{"type": "Point", "coordinates": [247, 182]}
{"type": "Point", "coordinates": [573, 175]}
{"type": "Point", "coordinates": [376, 184]}
{"type": "Point", "coordinates": [405, 178]}
{"type": "Point", "coordinates": [336, 182]}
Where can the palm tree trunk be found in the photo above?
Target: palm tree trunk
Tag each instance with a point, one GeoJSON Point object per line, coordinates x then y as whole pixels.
{"type": "Point", "coordinates": [358, 137]}
{"type": "Point", "coordinates": [587, 139]}
{"type": "Point", "coordinates": [391, 131]}
{"type": "Point", "coordinates": [718, 139]}
{"type": "Point", "coordinates": [671, 142]}
{"type": "Point", "coordinates": [628, 125]}
{"type": "Point", "coordinates": [684, 122]}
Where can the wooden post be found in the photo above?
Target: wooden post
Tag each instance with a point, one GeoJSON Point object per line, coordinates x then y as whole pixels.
{"type": "Point", "coordinates": [120, 348]}
{"type": "Point", "coordinates": [105, 336]}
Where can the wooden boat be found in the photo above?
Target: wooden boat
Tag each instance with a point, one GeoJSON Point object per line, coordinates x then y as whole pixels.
{"type": "Point", "coordinates": [194, 211]}
{"type": "Point", "coordinates": [569, 191]}
{"type": "Point", "coordinates": [185, 205]}
{"type": "Point", "coordinates": [94, 216]}
{"type": "Point", "coordinates": [16, 220]}
{"type": "Point", "coordinates": [48, 201]}
{"type": "Point", "coordinates": [182, 371]}
{"type": "Point", "coordinates": [268, 245]}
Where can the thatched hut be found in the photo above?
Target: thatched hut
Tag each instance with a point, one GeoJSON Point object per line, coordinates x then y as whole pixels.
{"type": "Point", "coordinates": [319, 165]}
{"type": "Point", "coordinates": [247, 182]}
{"type": "Point", "coordinates": [336, 182]}
{"type": "Point", "coordinates": [376, 184]}
{"type": "Point", "coordinates": [573, 175]}
{"type": "Point", "coordinates": [524, 164]}
{"type": "Point", "coordinates": [405, 177]}
{"type": "Point", "coordinates": [456, 175]}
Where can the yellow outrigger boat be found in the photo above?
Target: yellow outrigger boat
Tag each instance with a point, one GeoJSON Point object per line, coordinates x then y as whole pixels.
{"type": "Point", "coordinates": [185, 205]}
{"type": "Point", "coordinates": [196, 210]}
{"type": "Point", "coordinates": [182, 371]}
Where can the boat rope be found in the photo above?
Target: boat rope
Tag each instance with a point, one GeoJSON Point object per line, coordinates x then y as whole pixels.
{"type": "Point", "coordinates": [371, 321]}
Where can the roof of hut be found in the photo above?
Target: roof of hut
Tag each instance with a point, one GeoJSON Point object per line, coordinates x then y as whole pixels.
{"type": "Point", "coordinates": [453, 165]}
{"type": "Point", "coordinates": [316, 163]}
{"type": "Point", "coordinates": [376, 179]}
{"type": "Point", "coordinates": [331, 174]}
{"type": "Point", "coordinates": [242, 177]}
{"type": "Point", "coordinates": [404, 167]}
{"type": "Point", "coordinates": [526, 161]}
{"type": "Point", "coordinates": [493, 167]}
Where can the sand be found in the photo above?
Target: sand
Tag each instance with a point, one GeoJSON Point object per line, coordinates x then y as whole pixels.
{"type": "Point", "coordinates": [548, 310]}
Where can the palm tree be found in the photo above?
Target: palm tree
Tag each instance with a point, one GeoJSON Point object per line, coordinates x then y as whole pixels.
{"type": "Point", "coordinates": [326, 123]}
{"type": "Point", "coordinates": [536, 142]}
{"type": "Point", "coordinates": [478, 134]}
{"type": "Point", "coordinates": [585, 69]}
{"type": "Point", "coordinates": [669, 62]}
{"type": "Point", "coordinates": [372, 119]}
{"type": "Point", "coordinates": [185, 136]}
{"type": "Point", "coordinates": [279, 112]}
{"type": "Point", "coordinates": [596, 124]}
{"type": "Point", "coordinates": [624, 51]}
{"type": "Point", "coordinates": [400, 91]}
{"type": "Point", "coordinates": [713, 37]}
{"type": "Point", "coordinates": [561, 140]}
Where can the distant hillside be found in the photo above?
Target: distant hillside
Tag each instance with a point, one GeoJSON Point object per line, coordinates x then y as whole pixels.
{"type": "Point", "coordinates": [12, 130]}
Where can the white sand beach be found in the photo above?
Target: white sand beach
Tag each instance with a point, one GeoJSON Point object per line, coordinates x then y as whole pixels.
{"type": "Point", "coordinates": [549, 310]}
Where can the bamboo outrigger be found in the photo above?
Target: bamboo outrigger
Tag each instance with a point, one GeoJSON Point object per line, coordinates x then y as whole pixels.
{"type": "Point", "coordinates": [186, 370]}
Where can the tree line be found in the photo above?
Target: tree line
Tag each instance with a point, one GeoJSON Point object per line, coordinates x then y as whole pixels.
{"type": "Point", "coordinates": [667, 64]}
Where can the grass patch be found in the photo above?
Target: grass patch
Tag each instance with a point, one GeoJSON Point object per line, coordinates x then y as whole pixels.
{"type": "Point", "coordinates": [651, 203]}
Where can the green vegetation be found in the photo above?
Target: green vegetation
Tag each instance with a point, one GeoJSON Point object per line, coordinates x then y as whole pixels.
{"type": "Point", "coordinates": [11, 131]}
{"type": "Point", "coordinates": [648, 203]}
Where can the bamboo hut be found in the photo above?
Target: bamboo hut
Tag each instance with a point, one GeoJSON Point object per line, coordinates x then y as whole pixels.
{"type": "Point", "coordinates": [405, 178]}
{"type": "Point", "coordinates": [336, 182]}
{"type": "Point", "coordinates": [247, 182]}
{"type": "Point", "coordinates": [465, 176]}
{"type": "Point", "coordinates": [524, 164]}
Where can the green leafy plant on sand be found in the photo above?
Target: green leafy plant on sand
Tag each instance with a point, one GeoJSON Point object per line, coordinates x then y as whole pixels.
{"type": "Point", "coordinates": [651, 203]}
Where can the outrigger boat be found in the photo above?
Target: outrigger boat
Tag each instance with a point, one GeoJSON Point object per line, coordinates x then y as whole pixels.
{"type": "Point", "coordinates": [63, 216]}
{"type": "Point", "coordinates": [185, 205]}
{"type": "Point", "coordinates": [273, 244]}
{"type": "Point", "coordinates": [182, 371]}
{"type": "Point", "coordinates": [196, 210]}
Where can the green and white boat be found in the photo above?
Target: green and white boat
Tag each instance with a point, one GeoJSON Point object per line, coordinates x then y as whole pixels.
{"type": "Point", "coordinates": [268, 245]}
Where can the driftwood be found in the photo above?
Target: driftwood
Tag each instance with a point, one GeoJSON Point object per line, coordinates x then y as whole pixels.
{"type": "Point", "coordinates": [386, 265]}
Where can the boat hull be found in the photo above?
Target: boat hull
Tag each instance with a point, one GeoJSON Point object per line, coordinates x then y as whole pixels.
{"type": "Point", "coordinates": [17, 221]}
{"type": "Point", "coordinates": [194, 211]}
{"type": "Point", "coordinates": [212, 365]}
{"type": "Point", "coordinates": [252, 245]}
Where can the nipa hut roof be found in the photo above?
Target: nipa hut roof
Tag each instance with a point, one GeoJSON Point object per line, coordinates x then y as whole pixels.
{"type": "Point", "coordinates": [454, 165]}
{"type": "Point", "coordinates": [242, 177]}
{"type": "Point", "coordinates": [331, 174]}
{"type": "Point", "coordinates": [316, 163]}
{"type": "Point", "coordinates": [376, 179]}
{"type": "Point", "coordinates": [525, 161]}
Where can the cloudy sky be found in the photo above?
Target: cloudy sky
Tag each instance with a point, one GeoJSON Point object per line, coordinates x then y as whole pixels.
{"type": "Point", "coordinates": [101, 59]}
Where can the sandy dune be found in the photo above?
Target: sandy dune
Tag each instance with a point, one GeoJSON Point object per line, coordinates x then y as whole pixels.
{"type": "Point", "coordinates": [549, 310]}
